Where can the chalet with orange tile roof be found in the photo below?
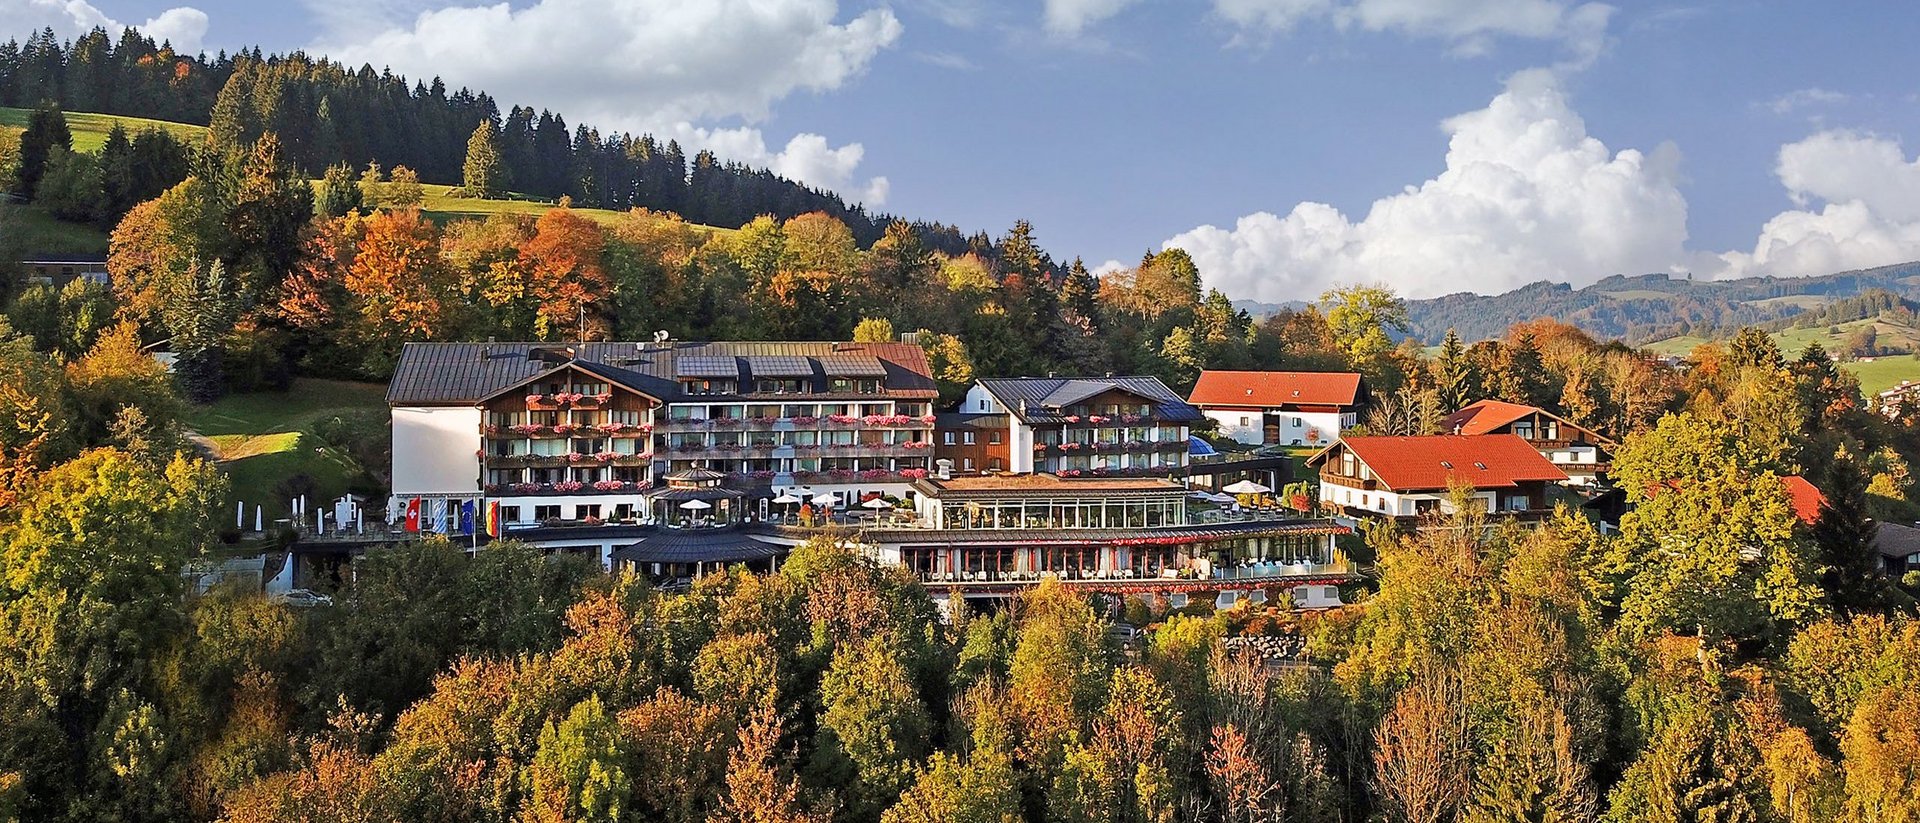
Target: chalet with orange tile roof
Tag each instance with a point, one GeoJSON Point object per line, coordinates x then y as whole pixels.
{"type": "Point", "coordinates": [1406, 477]}
{"type": "Point", "coordinates": [1289, 408]}
{"type": "Point", "coordinates": [1580, 452]}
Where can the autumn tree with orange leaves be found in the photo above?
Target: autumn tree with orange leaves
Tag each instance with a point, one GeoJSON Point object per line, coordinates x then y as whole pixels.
{"type": "Point", "coordinates": [565, 275]}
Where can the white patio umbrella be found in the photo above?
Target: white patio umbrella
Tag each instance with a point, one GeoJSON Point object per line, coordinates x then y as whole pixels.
{"type": "Point", "coordinates": [1200, 494]}
{"type": "Point", "coordinates": [786, 499]}
{"type": "Point", "coordinates": [696, 504]}
{"type": "Point", "coordinates": [1246, 487]}
{"type": "Point", "coordinates": [1220, 498]}
{"type": "Point", "coordinates": [877, 504]}
{"type": "Point", "coordinates": [825, 499]}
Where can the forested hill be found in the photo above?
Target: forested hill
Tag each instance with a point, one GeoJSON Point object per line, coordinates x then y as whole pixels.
{"type": "Point", "coordinates": [326, 113]}
{"type": "Point", "coordinates": [1651, 307]}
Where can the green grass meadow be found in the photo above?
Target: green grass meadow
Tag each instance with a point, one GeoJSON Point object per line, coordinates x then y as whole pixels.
{"type": "Point", "coordinates": [264, 438]}
{"type": "Point", "coordinates": [90, 130]}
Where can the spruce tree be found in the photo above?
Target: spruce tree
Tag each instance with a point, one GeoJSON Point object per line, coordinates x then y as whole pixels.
{"type": "Point", "coordinates": [46, 129]}
{"type": "Point", "coordinates": [1453, 373]}
{"type": "Point", "coordinates": [1844, 536]}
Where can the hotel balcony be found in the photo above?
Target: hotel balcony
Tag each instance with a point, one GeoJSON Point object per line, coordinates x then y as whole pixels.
{"type": "Point", "coordinates": [553, 461]}
{"type": "Point", "coordinates": [1349, 482]}
{"type": "Point", "coordinates": [829, 423]}
{"type": "Point", "coordinates": [542, 432]}
{"type": "Point", "coordinates": [572, 488]}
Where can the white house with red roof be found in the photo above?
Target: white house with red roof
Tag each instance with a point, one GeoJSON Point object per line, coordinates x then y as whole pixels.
{"type": "Point", "coordinates": [1405, 477]}
{"type": "Point", "coordinates": [1572, 448]}
{"type": "Point", "coordinates": [1288, 408]}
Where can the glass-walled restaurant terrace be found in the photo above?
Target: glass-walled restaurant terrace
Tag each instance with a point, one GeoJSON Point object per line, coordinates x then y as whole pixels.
{"type": "Point", "coordinates": [1094, 512]}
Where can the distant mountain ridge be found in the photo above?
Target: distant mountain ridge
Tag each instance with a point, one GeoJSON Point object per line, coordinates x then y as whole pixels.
{"type": "Point", "coordinates": [1644, 308]}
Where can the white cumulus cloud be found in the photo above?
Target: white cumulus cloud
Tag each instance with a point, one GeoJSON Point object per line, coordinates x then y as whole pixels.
{"type": "Point", "coordinates": [665, 66]}
{"type": "Point", "coordinates": [808, 158]}
{"type": "Point", "coordinates": [185, 27]}
{"type": "Point", "coordinates": [1526, 195]}
{"type": "Point", "coordinates": [1860, 207]}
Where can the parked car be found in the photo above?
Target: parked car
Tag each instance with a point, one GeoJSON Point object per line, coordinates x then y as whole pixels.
{"type": "Point", "coordinates": [305, 598]}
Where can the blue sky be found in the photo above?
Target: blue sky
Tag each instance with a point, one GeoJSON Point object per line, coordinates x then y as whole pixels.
{"type": "Point", "coordinates": [1719, 138]}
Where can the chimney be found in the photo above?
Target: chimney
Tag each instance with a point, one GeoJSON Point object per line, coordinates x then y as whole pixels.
{"type": "Point", "coordinates": [943, 468]}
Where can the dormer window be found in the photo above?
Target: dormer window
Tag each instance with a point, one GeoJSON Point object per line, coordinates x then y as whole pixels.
{"type": "Point", "coordinates": [776, 386]}
{"type": "Point", "coordinates": [707, 386]}
{"type": "Point", "coordinates": [857, 385]}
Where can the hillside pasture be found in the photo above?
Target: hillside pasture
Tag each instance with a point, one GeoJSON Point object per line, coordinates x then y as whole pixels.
{"type": "Point", "coordinates": [262, 439]}
{"type": "Point", "coordinates": [90, 130]}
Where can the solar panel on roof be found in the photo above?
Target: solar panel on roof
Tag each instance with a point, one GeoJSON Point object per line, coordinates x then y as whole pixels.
{"type": "Point", "coordinates": [852, 365]}
{"type": "Point", "coordinates": [779, 366]}
{"type": "Point", "coordinates": [705, 366]}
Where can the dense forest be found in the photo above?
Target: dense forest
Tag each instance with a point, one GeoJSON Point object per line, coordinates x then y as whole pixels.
{"type": "Point", "coordinates": [327, 114]}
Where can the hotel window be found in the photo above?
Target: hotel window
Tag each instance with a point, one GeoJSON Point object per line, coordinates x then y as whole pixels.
{"type": "Point", "coordinates": [1296, 422]}
{"type": "Point", "coordinates": [1246, 421]}
{"type": "Point", "coordinates": [1524, 430]}
{"type": "Point", "coordinates": [510, 514]}
{"type": "Point", "coordinates": [770, 386]}
{"type": "Point", "coordinates": [707, 386]}
{"type": "Point", "coordinates": [996, 438]}
{"type": "Point", "coordinates": [985, 404]}
{"type": "Point", "coordinates": [966, 438]}
{"type": "Point", "coordinates": [544, 513]}
{"type": "Point", "coordinates": [946, 438]}
{"type": "Point", "coordinates": [966, 463]}
{"type": "Point", "coordinates": [587, 510]}
{"type": "Point", "coordinates": [628, 417]}
{"type": "Point", "coordinates": [994, 464]}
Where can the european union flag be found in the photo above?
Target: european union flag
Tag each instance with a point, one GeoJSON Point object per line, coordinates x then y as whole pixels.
{"type": "Point", "coordinates": [466, 517]}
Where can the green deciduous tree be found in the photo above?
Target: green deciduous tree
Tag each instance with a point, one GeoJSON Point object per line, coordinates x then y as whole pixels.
{"type": "Point", "coordinates": [485, 172]}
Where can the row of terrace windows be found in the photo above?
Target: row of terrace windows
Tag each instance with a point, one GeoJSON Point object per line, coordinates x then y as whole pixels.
{"type": "Point", "coordinates": [785, 465]}
{"type": "Point", "coordinates": [1146, 434]}
{"type": "Point", "coordinates": [560, 446]}
{"type": "Point", "coordinates": [572, 417]}
{"type": "Point", "coordinates": [1065, 514]}
{"type": "Point", "coordinates": [837, 385]}
{"type": "Point", "coordinates": [1109, 409]}
{"type": "Point", "coordinates": [791, 410]}
{"type": "Point", "coordinates": [1113, 461]}
{"type": "Point", "coordinates": [796, 438]}
{"type": "Point", "coordinates": [586, 387]}
{"type": "Point", "coordinates": [579, 474]}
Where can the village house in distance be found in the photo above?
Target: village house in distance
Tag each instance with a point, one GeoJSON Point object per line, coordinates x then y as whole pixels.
{"type": "Point", "coordinates": [1404, 478]}
{"type": "Point", "coordinates": [1571, 448]}
{"type": "Point", "coordinates": [1280, 408]}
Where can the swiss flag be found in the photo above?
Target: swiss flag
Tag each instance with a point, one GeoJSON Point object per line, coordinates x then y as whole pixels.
{"type": "Point", "coordinates": [413, 515]}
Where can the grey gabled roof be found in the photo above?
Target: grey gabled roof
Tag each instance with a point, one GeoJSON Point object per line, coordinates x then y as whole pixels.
{"type": "Point", "coordinates": [1038, 400]}
{"type": "Point", "coordinates": [461, 374]}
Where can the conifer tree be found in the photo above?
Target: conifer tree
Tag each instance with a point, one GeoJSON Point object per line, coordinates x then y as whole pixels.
{"type": "Point", "coordinates": [1453, 374]}
{"type": "Point", "coordinates": [46, 130]}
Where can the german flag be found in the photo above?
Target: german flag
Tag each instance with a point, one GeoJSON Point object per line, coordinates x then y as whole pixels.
{"type": "Point", "coordinates": [493, 518]}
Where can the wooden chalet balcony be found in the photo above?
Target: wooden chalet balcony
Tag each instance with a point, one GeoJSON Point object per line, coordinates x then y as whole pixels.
{"type": "Point", "coordinates": [751, 424]}
{"type": "Point", "coordinates": [554, 461]}
{"type": "Point", "coordinates": [542, 432]}
{"type": "Point", "coordinates": [1349, 482]}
